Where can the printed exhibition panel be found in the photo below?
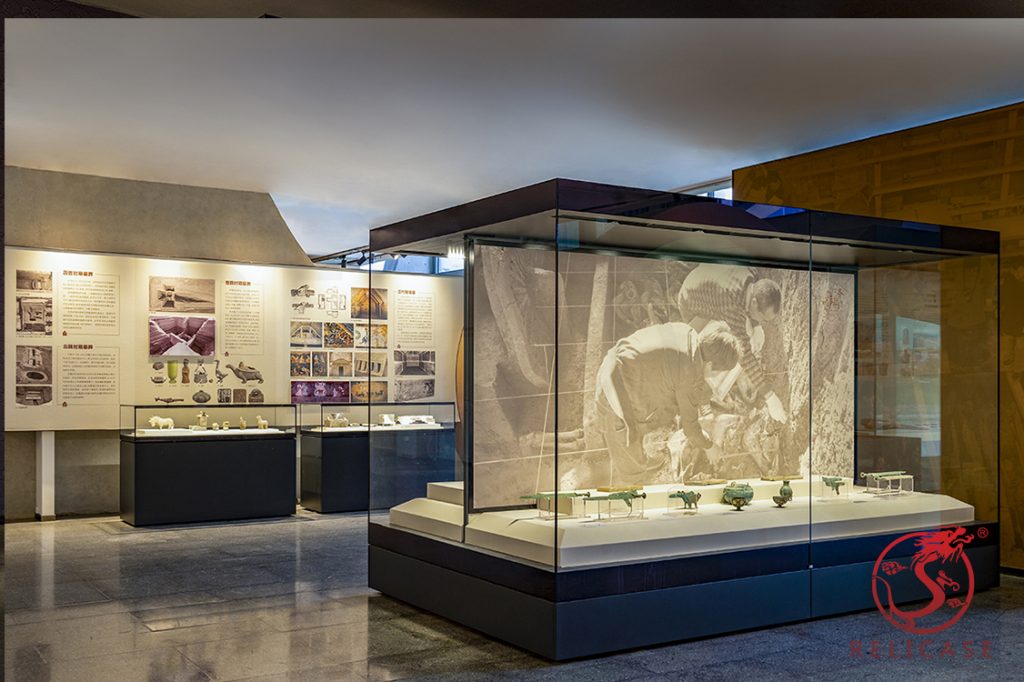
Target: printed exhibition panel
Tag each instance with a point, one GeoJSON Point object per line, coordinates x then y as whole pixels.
{"type": "Point", "coordinates": [627, 366]}
{"type": "Point", "coordinates": [85, 333]}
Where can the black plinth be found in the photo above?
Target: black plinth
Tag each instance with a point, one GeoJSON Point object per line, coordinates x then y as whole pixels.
{"type": "Point", "coordinates": [335, 471]}
{"type": "Point", "coordinates": [206, 479]}
{"type": "Point", "coordinates": [336, 467]}
{"type": "Point", "coordinates": [589, 611]}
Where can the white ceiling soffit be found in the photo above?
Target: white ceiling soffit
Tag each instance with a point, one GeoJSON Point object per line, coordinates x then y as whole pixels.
{"type": "Point", "coordinates": [355, 123]}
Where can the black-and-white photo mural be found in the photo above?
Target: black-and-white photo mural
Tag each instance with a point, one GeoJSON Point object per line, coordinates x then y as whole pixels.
{"type": "Point", "coordinates": [667, 372]}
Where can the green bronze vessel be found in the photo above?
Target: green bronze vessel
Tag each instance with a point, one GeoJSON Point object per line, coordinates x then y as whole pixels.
{"type": "Point", "coordinates": [738, 495]}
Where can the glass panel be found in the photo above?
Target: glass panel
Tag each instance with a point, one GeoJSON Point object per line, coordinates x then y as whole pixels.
{"type": "Point", "coordinates": [683, 401]}
{"type": "Point", "coordinates": [207, 421]}
{"type": "Point", "coordinates": [919, 451]}
{"type": "Point", "coordinates": [410, 441]}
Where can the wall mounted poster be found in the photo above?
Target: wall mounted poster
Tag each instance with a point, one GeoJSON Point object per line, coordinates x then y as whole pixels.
{"type": "Point", "coordinates": [90, 320]}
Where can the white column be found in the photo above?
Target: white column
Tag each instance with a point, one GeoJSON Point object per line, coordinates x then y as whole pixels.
{"type": "Point", "coordinates": [45, 446]}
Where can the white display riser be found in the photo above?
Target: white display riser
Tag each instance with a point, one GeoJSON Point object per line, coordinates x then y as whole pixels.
{"type": "Point", "coordinates": [674, 532]}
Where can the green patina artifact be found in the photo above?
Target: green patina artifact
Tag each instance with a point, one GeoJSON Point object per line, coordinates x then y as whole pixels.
{"type": "Point", "coordinates": [834, 482]}
{"type": "Point", "coordinates": [550, 496]}
{"type": "Point", "coordinates": [785, 495]}
{"type": "Point", "coordinates": [689, 498]}
{"type": "Point", "coordinates": [738, 495]}
{"type": "Point", "coordinates": [626, 496]}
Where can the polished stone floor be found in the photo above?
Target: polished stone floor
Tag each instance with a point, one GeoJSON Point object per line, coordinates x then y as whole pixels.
{"type": "Point", "coordinates": [286, 600]}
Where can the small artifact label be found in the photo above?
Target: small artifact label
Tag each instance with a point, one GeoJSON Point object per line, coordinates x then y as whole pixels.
{"type": "Point", "coordinates": [243, 318]}
{"type": "Point", "coordinates": [88, 375]}
{"type": "Point", "coordinates": [89, 303]}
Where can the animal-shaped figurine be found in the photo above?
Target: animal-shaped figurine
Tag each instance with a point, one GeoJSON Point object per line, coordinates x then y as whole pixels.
{"type": "Point", "coordinates": [215, 426]}
{"type": "Point", "coordinates": [201, 418]}
{"type": "Point", "coordinates": [226, 425]}
{"type": "Point", "coordinates": [261, 423]}
{"type": "Point", "coordinates": [242, 423]}
{"type": "Point", "coordinates": [217, 373]}
{"type": "Point", "coordinates": [689, 498]}
{"type": "Point", "coordinates": [246, 373]}
{"type": "Point", "coordinates": [834, 482]}
{"type": "Point", "coordinates": [161, 422]}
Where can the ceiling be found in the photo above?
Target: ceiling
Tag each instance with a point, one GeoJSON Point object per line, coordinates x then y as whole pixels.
{"type": "Point", "coordinates": [355, 123]}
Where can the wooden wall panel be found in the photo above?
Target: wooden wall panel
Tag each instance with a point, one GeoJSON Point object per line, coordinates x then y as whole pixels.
{"type": "Point", "coordinates": [966, 171]}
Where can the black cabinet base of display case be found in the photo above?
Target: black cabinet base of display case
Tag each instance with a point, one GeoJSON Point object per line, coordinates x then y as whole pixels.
{"type": "Point", "coordinates": [336, 467]}
{"type": "Point", "coordinates": [165, 481]}
{"type": "Point", "coordinates": [585, 612]}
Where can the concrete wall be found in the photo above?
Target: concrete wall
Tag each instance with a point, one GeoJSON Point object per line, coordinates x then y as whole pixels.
{"type": "Point", "coordinates": [72, 212]}
{"type": "Point", "coordinates": [19, 475]}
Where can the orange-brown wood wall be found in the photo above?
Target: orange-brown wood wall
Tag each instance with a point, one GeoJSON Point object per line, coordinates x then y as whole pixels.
{"type": "Point", "coordinates": [967, 171]}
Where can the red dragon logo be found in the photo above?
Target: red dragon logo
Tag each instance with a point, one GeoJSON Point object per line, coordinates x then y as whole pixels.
{"type": "Point", "coordinates": [938, 554]}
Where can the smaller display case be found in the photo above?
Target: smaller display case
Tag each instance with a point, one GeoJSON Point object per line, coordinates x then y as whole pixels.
{"type": "Point", "coordinates": [200, 422]}
{"type": "Point", "coordinates": [413, 441]}
{"type": "Point", "coordinates": [192, 463]}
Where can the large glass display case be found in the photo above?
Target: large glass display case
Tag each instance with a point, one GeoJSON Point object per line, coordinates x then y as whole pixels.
{"type": "Point", "coordinates": [415, 445]}
{"type": "Point", "coordinates": [190, 463]}
{"type": "Point", "coordinates": [669, 401]}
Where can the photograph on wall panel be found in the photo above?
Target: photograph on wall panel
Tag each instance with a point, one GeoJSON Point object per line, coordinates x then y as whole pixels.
{"type": "Point", "coordinates": [182, 336]}
{"type": "Point", "coordinates": [630, 330]}
{"type": "Point", "coordinates": [369, 304]}
{"type": "Point", "coordinates": [320, 391]}
{"type": "Point", "coordinates": [182, 295]}
{"type": "Point", "coordinates": [369, 391]}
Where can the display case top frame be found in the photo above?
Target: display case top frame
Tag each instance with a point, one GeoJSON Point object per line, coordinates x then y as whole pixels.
{"type": "Point", "coordinates": [674, 223]}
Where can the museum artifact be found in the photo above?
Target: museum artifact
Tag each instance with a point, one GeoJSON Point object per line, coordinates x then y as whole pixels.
{"type": "Point", "coordinates": [169, 400]}
{"type": "Point", "coordinates": [689, 498]}
{"type": "Point", "coordinates": [783, 477]}
{"type": "Point", "coordinates": [888, 482]}
{"type": "Point", "coordinates": [242, 424]}
{"type": "Point", "coordinates": [201, 396]}
{"type": "Point", "coordinates": [416, 419]}
{"type": "Point", "coordinates": [618, 488]}
{"type": "Point", "coordinates": [161, 422]}
{"type": "Point", "coordinates": [785, 495]}
{"type": "Point", "coordinates": [738, 495]}
{"type": "Point", "coordinates": [201, 419]}
{"type": "Point", "coordinates": [217, 373]}
{"type": "Point", "coordinates": [387, 420]}
{"type": "Point", "coordinates": [335, 420]}
{"type": "Point", "coordinates": [215, 426]}
{"type": "Point", "coordinates": [226, 425]}
{"type": "Point", "coordinates": [702, 479]}
{"type": "Point", "coordinates": [185, 371]}
{"type": "Point", "coordinates": [626, 496]}
{"type": "Point", "coordinates": [261, 423]}
{"type": "Point", "coordinates": [549, 496]}
{"type": "Point", "coordinates": [246, 373]}
{"type": "Point", "coordinates": [833, 482]}
{"type": "Point", "coordinates": [199, 376]}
